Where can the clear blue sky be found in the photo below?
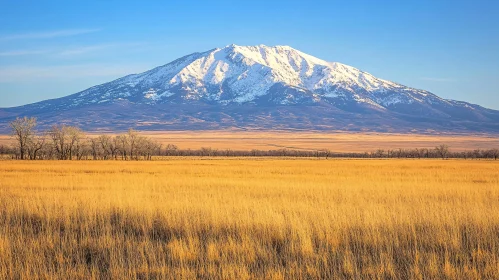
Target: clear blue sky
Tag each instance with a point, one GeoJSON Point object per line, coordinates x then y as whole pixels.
{"type": "Point", "coordinates": [51, 49]}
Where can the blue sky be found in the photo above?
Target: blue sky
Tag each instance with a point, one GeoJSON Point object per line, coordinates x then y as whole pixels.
{"type": "Point", "coordinates": [50, 49]}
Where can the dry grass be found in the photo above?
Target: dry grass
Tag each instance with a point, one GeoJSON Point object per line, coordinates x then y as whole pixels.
{"type": "Point", "coordinates": [334, 141]}
{"type": "Point", "coordinates": [250, 218]}
{"type": "Point", "coordinates": [297, 140]}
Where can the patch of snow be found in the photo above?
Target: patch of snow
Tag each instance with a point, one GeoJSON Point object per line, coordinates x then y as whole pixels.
{"type": "Point", "coordinates": [391, 100]}
{"type": "Point", "coordinates": [150, 94]}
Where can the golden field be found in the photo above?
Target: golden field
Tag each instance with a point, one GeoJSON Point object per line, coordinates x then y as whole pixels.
{"type": "Point", "coordinates": [249, 218]}
{"type": "Point", "coordinates": [311, 141]}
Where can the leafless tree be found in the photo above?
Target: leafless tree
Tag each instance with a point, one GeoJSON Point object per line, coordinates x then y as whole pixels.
{"type": "Point", "coordinates": [206, 151]}
{"type": "Point", "coordinates": [477, 153]}
{"type": "Point", "coordinates": [171, 149]}
{"type": "Point", "coordinates": [442, 151]}
{"type": "Point", "coordinates": [115, 147]}
{"type": "Point", "coordinates": [48, 151]}
{"type": "Point", "coordinates": [327, 153]}
{"type": "Point", "coordinates": [94, 147]}
{"type": "Point", "coordinates": [34, 145]}
{"type": "Point", "coordinates": [67, 141]}
{"type": "Point", "coordinates": [379, 153]}
{"type": "Point", "coordinates": [23, 129]}
{"type": "Point", "coordinates": [58, 135]}
{"type": "Point", "coordinates": [122, 145]}
{"type": "Point", "coordinates": [494, 153]}
{"type": "Point", "coordinates": [423, 152]}
{"type": "Point", "coordinates": [81, 148]}
{"type": "Point", "coordinates": [149, 147]}
{"type": "Point", "coordinates": [75, 137]}
{"type": "Point", "coordinates": [105, 143]}
{"type": "Point", "coordinates": [133, 138]}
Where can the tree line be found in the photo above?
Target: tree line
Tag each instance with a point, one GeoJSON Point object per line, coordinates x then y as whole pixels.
{"type": "Point", "coordinates": [65, 142]}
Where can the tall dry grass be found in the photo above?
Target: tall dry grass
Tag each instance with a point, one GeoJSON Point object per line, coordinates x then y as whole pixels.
{"type": "Point", "coordinates": [250, 218]}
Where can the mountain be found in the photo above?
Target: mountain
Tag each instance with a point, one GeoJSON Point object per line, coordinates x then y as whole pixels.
{"type": "Point", "coordinates": [257, 87]}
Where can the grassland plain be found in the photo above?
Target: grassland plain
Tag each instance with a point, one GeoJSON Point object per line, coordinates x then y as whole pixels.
{"type": "Point", "coordinates": [301, 140]}
{"type": "Point", "coordinates": [249, 218]}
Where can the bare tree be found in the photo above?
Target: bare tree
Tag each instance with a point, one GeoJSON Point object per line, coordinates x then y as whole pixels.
{"type": "Point", "coordinates": [47, 151]}
{"type": "Point", "coordinates": [105, 143]}
{"type": "Point", "coordinates": [81, 148]}
{"type": "Point", "coordinates": [147, 148]}
{"type": "Point", "coordinates": [464, 155]}
{"type": "Point", "coordinates": [133, 138]}
{"type": "Point", "coordinates": [67, 141]}
{"type": "Point", "coordinates": [34, 145]}
{"type": "Point", "coordinates": [171, 149]}
{"type": "Point", "coordinates": [95, 147]}
{"type": "Point", "coordinates": [58, 135]}
{"type": "Point", "coordinates": [75, 137]}
{"type": "Point", "coordinates": [23, 130]}
{"type": "Point", "coordinates": [122, 141]}
{"type": "Point", "coordinates": [477, 153]}
{"type": "Point", "coordinates": [379, 153]}
{"type": "Point", "coordinates": [494, 153]}
{"type": "Point", "coordinates": [327, 153]}
{"type": "Point", "coordinates": [115, 147]}
{"type": "Point", "coordinates": [423, 152]}
{"type": "Point", "coordinates": [442, 151]}
{"type": "Point", "coordinates": [206, 151]}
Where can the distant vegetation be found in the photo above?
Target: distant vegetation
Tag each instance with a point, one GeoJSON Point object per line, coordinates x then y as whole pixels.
{"type": "Point", "coordinates": [64, 142]}
{"type": "Point", "coordinates": [71, 143]}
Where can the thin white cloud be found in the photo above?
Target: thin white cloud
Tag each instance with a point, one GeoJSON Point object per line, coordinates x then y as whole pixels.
{"type": "Point", "coordinates": [442, 80]}
{"type": "Point", "coordinates": [48, 34]}
{"type": "Point", "coordinates": [83, 50]}
{"type": "Point", "coordinates": [70, 52]}
{"type": "Point", "coordinates": [22, 52]}
{"type": "Point", "coordinates": [93, 48]}
{"type": "Point", "coordinates": [12, 74]}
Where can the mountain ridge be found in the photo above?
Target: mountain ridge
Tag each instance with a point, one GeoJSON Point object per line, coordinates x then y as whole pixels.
{"type": "Point", "coordinates": [262, 87]}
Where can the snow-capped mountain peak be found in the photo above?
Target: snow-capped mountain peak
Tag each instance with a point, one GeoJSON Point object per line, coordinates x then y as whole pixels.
{"type": "Point", "coordinates": [241, 74]}
{"type": "Point", "coordinates": [249, 72]}
{"type": "Point", "coordinates": [277, 79]}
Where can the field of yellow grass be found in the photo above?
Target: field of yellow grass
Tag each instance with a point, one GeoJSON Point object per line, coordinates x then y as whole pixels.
{"type": "Point", "coordinates": [249, 218]}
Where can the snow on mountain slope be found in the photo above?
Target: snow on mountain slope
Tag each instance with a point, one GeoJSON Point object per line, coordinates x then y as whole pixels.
{"type": "Point", "coordinates": [238, 74]}
{"type": "Point", "coordinates": [249, 72]}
